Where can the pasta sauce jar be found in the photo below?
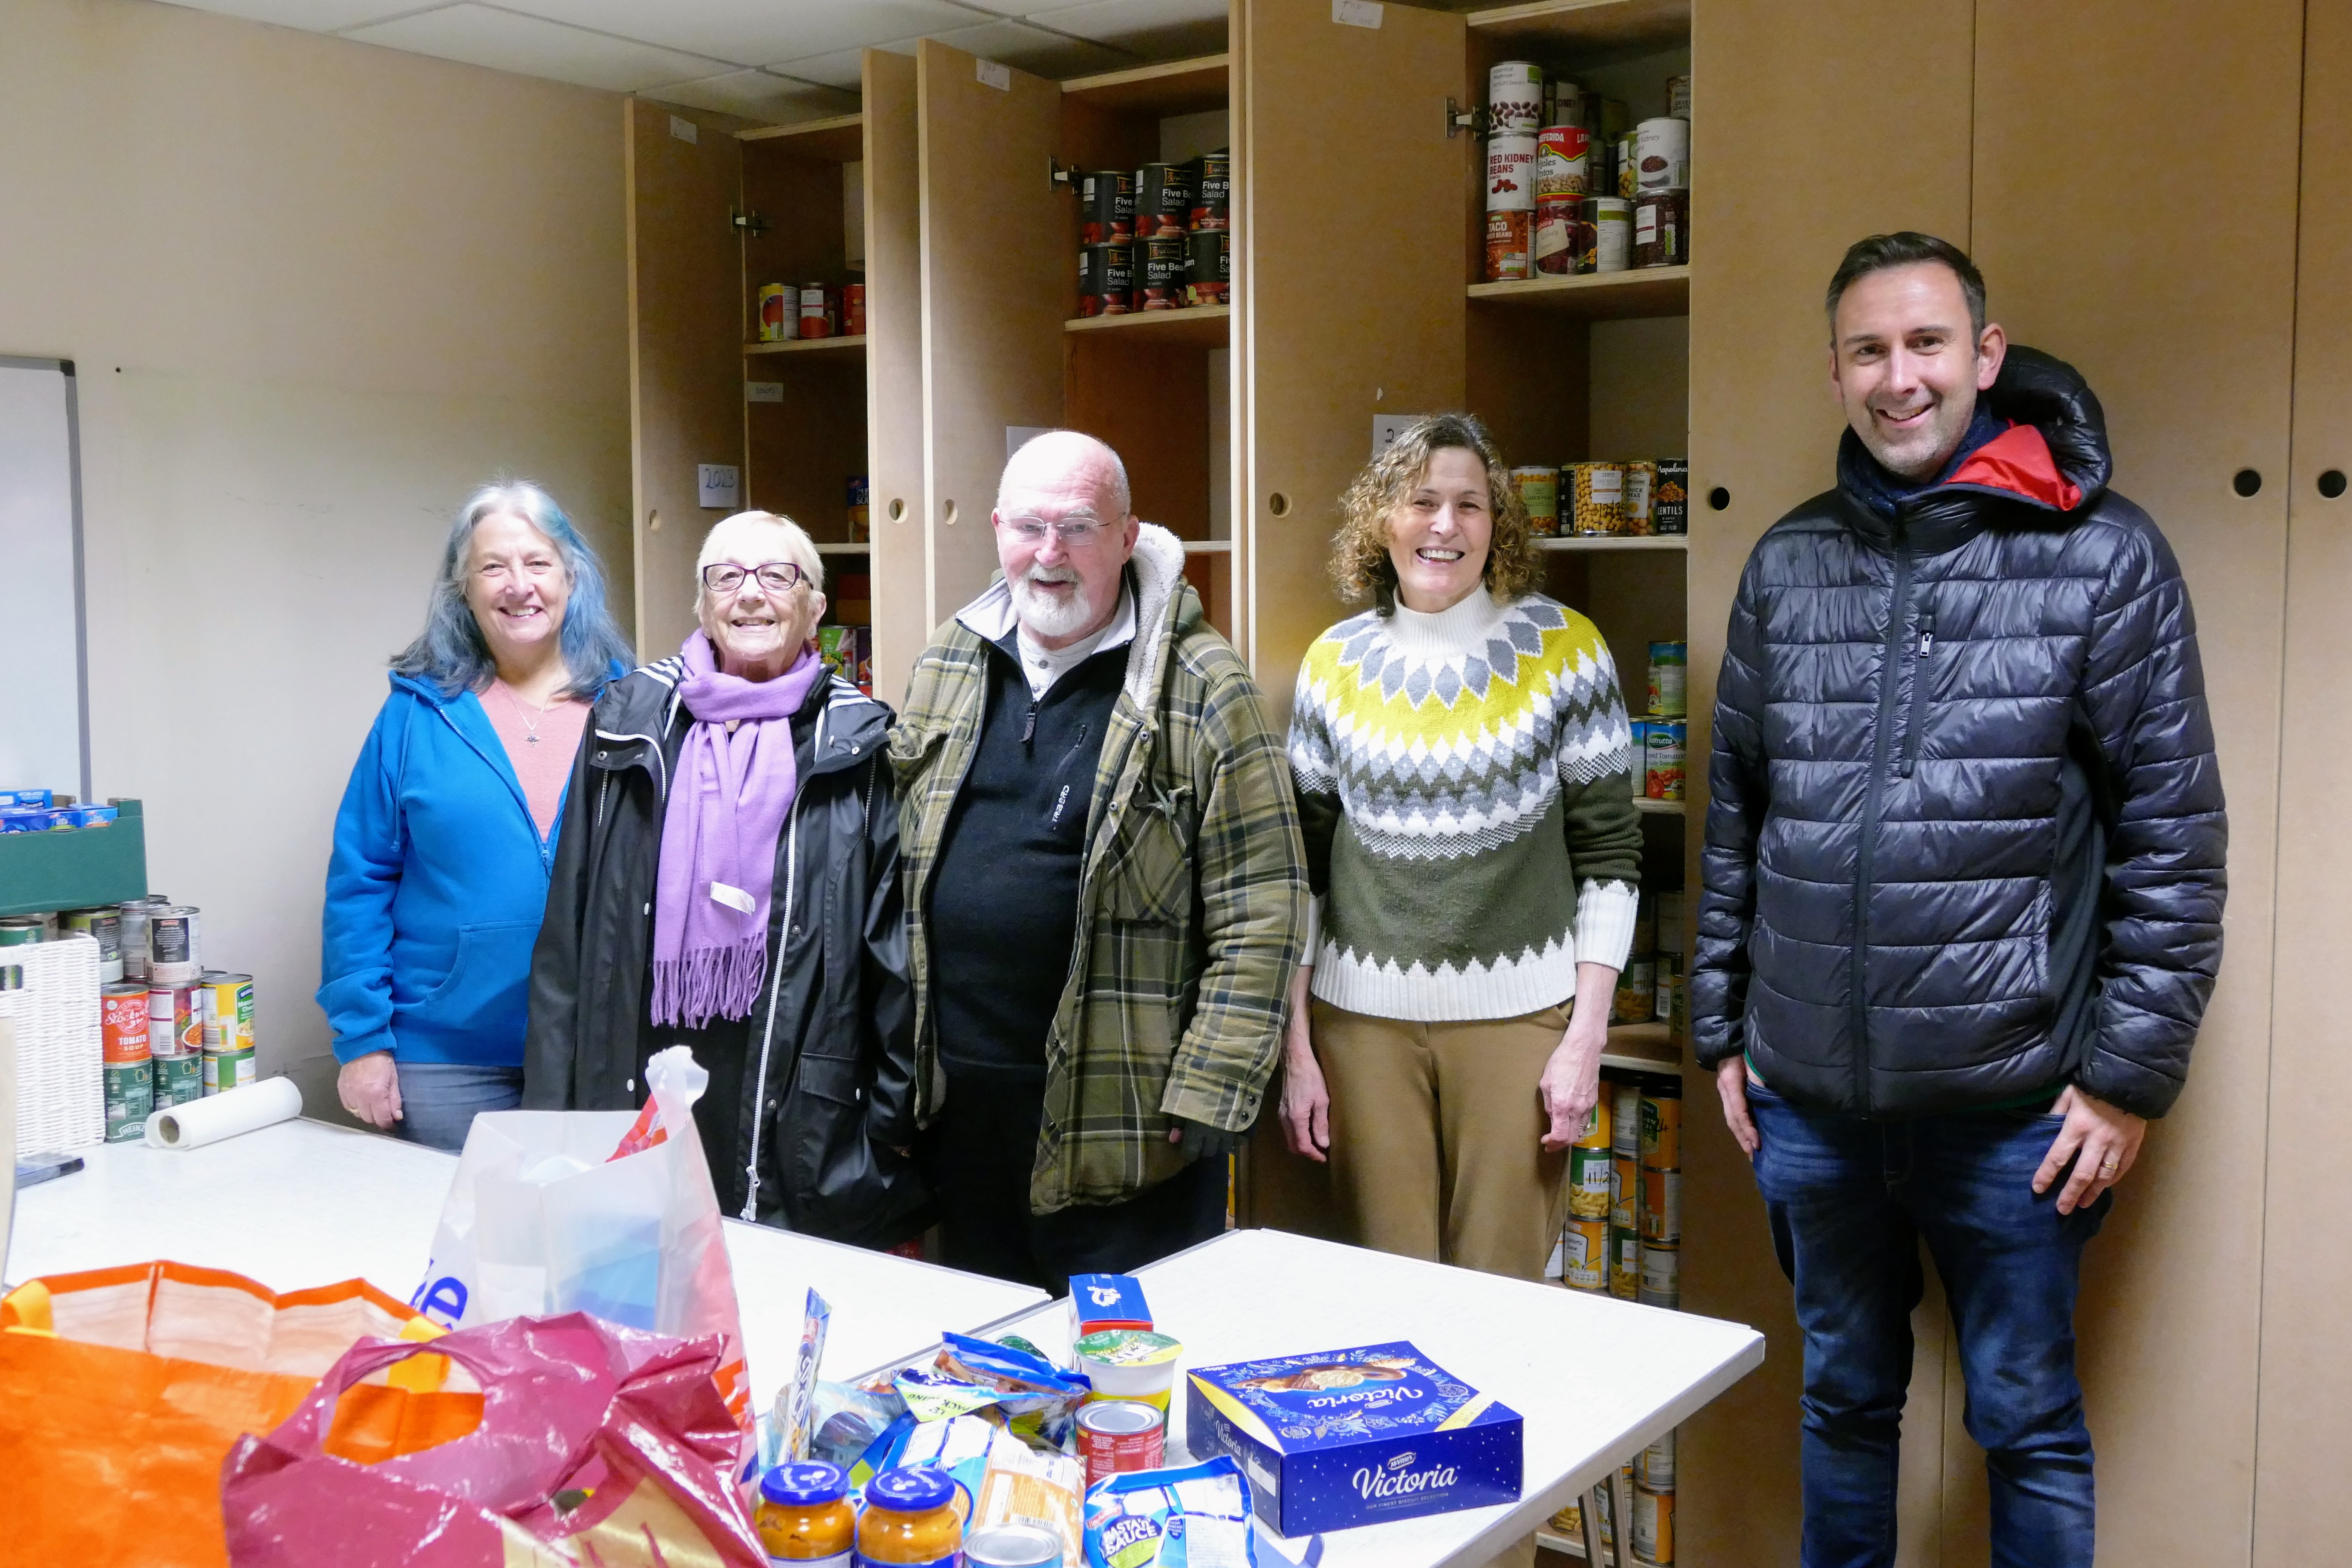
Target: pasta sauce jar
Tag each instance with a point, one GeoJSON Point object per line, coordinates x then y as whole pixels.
{"type": "Point", "coordinates": [805, 1515]}
{"type": "Point", "coordinates": [911, 1520]}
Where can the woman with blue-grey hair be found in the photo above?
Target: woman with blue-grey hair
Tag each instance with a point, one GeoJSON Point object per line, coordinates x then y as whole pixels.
{"type": "Point", "coordinates": [448, 827]}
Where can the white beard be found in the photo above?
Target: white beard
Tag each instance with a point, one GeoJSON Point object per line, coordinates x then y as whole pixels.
{"type": "Point", "coordinates": [1045, 615]}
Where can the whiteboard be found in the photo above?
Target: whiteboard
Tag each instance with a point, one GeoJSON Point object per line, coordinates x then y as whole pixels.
{"type": "Point", "coordinates": [44, 666]}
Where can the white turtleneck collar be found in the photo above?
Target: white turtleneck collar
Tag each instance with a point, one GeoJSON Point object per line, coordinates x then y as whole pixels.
{"type": "Point", "coordinates": [1462, 629]}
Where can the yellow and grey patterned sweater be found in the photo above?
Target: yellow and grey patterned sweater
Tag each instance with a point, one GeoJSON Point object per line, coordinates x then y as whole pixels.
{"type": "Point", "coordinates": [1465, 785]}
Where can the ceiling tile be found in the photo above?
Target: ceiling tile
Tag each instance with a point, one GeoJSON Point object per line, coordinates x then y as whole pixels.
{"type": "Point", "coordinates": [842, 68]}
{"type": "Point", "coordinates": [1156, 29]}
{"type": "Point", "coordinates": [761, 32]}
{"type": "Point", "coordinates": [1037, 52]}
{"type": "Point", "coordinates": [480, 36]}
{"type": "Point", "coordinates": [315, 16]}
{"type": "Point", "coordinates": [759, 95]}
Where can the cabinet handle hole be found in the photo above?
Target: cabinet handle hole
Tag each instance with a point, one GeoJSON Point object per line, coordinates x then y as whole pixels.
{"type": "Point", "coordinates": [2246, 481]}
{"type": "Point", "coordinates": [2331, 483]}
{"type": "Point", "coordinates": [897, 510]}
{"type": "Point", "coordinates": [653, 521]}
{"type": "Point", "coordinates": [948, 511]}
{"type": "Point", "coordinates": [1278, 504]}
{"type": "Point", "coordinates": [1719, 497]}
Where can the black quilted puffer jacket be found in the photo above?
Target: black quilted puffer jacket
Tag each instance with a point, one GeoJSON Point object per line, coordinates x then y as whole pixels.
{"type": "Point", "coordinates": [1965, 835]}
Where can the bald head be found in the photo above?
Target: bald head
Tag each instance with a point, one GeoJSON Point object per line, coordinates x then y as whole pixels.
{"type": "Point", "coordinates": [1059, 462]}
{"type": "Point", "coordinates": [1063, 535]}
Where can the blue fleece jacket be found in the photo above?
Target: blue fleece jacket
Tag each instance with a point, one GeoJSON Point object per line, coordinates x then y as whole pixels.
{"type": "Point", "coordinates": [434, 890]}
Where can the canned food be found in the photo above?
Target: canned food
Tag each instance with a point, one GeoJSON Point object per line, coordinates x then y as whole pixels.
{"type": "Point", "coordinates": [1639, 759]}
{"type": "Point", "coordinates": [1623, 163]}
{"type": "Point", "coordinates": [1662, 1277]}
{"type": "Point", "coordinates": [1665, 769]}
{"type": "Point", "coordinates": [1515, 98]}
{"type": "Point", "coordinates": [1653, 1466]}
{"type": "Point", "coordinates": [1590, 1175]}
{"type": "Point", "coordinates": [225, 1070]}
{"type": "Point", "coordinates": [1641, 496]}
{"type": "Point", "coordinates": [1163, 200]}
{"type": "Point", "coordinates": [129, 1092]}
{"type": "Point", "coordinates": [1678, 96]}
{"type": "Point", "coordinates": [175, 1020]}
{"type": "Point", "coordinates": [1662, 1207]}
{"type": "Point", "coordinates": [122, 1022]}
{"type": "Point", "coordinates": [1670, 968]}
{"type": "Point", "coordinates": [1624, 1189]}
{"type": "Point", "coordinates": [1507, 245]}
{"type": "Point", "coordinates": [857, 501]}
{"type": "Point", "coordinates": [1107, 277]}
{"type": "Point", "coordinates": [1662, 1124]}
{"type": "Point", "coordinates": [1661, 225]}
{"type": "Point", "coordinates": [104, 925]}
{"type": "Point", "coordinates": [227, 1001]}
{"type": "Point", "coordinates": [1106, 205]}
{"type": "Point", "coordinates": [779, 316]}
{"type": "Point", "coordinates": [1214, 190]}
{"type": "Point", "coordinates": [1637, 987]}
{"type": "Point", "coordinates": [1670, 680]}
{"type": "Point", "coordinates": [1594, 1135]}
{"type": "Point", "coordinates": [1653, 1526]}
{"type": "Point", "coordinates": [1166, 259]}
{"type": "Point", "coordinates": [1117, 1435]}
{"type": "Point", "coordinates": [1661, 154]}
{"type": "Point", "coordinates": [1511, 173]}
{"type": "Point", "coordinates": [1539, 490]}
{"type": "Point", "coordinates": [1671, 513]}
{"type": "Point", "coordinates": [1610, 219]}
{"type": "Point", "coordinates": [817, 316]}
{"type": "Point", "coordinates": [1625, 1262]}
{"type": "Point", "coordinates": [852, 309]}
{"type": "Point", "coordinates": [1209, 279]}
{"type": "Point", "coordinates": [1584, 1255]}
{"type": "Point", "coordinates": [1596, 497]}
{"type": "Point", "coordinates": [175, 945]}
{"type": "Point", "coordinates": [134, 933]}
{"type": "Point", "coordinates": [22, 931]}
{"type": "Point", "coordinates": [1557, 228]}
{"type": "Point", "coordinates": [1563, 161]}
{"type": "Point", "coordinates": [178, 1079]}
{"type": "Point", "coordinates": [1013, 1546]}
{"type": "Point", "coordinates": [1565, 104]}
{"type": "Point", "coordinates": [1624, 1113]}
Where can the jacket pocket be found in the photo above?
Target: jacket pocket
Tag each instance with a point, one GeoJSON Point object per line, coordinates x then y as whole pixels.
{"type": "Point", "coordinates": [838, 1183]}
{"type": "Point", "coordinates": [1148, 876]}
{"type": "Point", "coordinates": [913, 749]}
{"type": "Point", "coordinates": [488, 989]}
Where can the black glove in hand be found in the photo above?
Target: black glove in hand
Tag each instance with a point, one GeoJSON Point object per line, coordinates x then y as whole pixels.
{"type": "Point", "coordinates": [1201, 1140]}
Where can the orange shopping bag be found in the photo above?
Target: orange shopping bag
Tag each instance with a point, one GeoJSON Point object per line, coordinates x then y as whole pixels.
{"type": "Point", "coordinates": [124, 1389]}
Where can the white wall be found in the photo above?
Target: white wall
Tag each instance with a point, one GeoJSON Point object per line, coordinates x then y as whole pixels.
{"type": "Point", "coordinates": [316, 291]}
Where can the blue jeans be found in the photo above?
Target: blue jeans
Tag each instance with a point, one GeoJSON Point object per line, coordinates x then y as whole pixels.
{"type": "Point", "coordinates": [1849, 1201]}
{"type": "Point", "coordinates": [438, 1099]}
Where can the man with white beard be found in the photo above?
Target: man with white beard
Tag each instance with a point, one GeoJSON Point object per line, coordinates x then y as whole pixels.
{"type": "Point", "coordinates": [1105, 884]}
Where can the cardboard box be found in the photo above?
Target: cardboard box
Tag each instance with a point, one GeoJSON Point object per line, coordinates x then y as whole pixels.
{"type": "Point", "coordinates": [1340, 1439]}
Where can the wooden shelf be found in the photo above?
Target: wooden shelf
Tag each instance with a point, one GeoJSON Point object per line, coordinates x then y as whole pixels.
{"type": "Point", "coordinates": [1641, 803]}
{"type": "Point", "coordinates": [817, 348]}
{"type": "Point", "coordinates": [1208, 546]}
{"type": "Point", "coordinates": [1200, 326]}
{"type": "Point", "coordinates": [1595, 296]}
{"type": "Point", "coordinates": [1567, 1546]}
{"type": "Point", "coordinates": [1617, 26]}
{"type": "Point", "coordinates": [840, 140]}
{"type": "Point", "coordinates": [1178, 87]}
{"type": "Point", "coordinates": [1615, 542]}
{"type": "Point", "coordinates": [837, 548]}
{"type": "Point", "coordinates": [1641, 1047]}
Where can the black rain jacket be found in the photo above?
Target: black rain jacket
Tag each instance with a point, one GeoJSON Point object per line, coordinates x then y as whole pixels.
{"type": "Point", "coordinates": [829, 1092]}
{"type": "Point", "coordinates": [1965, 833]}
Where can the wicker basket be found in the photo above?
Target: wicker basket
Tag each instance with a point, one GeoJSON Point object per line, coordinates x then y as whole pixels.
{"type": "Point", "coordinates": [60, 1090]}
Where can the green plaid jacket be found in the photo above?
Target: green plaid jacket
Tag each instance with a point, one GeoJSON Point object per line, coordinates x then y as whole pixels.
{"type": "Point", "coordinates": [1191, 897]}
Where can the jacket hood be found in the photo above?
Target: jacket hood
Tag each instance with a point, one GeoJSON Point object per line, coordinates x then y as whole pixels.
{"type": "Point", "coordinates": [1155, 576]}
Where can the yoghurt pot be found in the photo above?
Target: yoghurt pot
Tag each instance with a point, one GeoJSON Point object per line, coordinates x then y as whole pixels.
{"type": "Point", "coordinates": [1129, 1364]}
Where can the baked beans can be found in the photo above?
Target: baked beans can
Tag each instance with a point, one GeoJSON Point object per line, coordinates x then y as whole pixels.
{"type": "Point", "coordinates": [1106, 205]}
{"type": "Point", "coordinates": [1662, 1207]}
{"type": "Point", "coordinates": [1507, 245]}
{"type": "Point", "coordinates": [178, 1079]}
{"type": "Point", "coordinates": [1167, 258]}
{"type": "Point", "coordinates": [129, 1090]}
{"type": "Point", "coordinates": [1625, 1262]}
{"type": "Point", "coordinates": [1119, 1436]}
{"type": "Point", "coordinates": [1511, 173]}
{"type": "Point", "coordinates": [1624, 1189]}
{"type": "Point", "coordinates": [1515, 98]}
{"type": "Point", "coordinates": [1584, 1255]}
{"type": "Point", "coordinates": [175, 953]}
{"type": "Point", "coordinates": [1539, 490]}
{"type": "Point", "coordinates": [1653, 1466]}
{"type": "Point", "coordinates": [1563, 161]}
{"type": "Point", "coordinates": [1661, 154]}
{"type": "Point", "coordinates": [816, 317]}
{"type": "Point", "coordinates": [1641, 498]}
{"type": "Point", "coordinates": [1212, 191]}
{"type": "Point", "coordinates": [225, 1070]}
{"type": "Point", "coordinates": [1557, 228]}
{"type": "Point", "coordinates": [1625, 1114]}
{"type": "Point", "coordinates": [1668, 744]}
{"type": "Point", "coordinates": [1653, 1526]}
{"type": "Point", "coordinates": [1595, 494]}
{"type": "Point", "coordinates": [1209, 279]}
{"type": "Point", "coordinates": [1670, 680]}
{"type": "Point", "coordinates": [779, 316]}
{"type": "Point", "coordinates": [1590, 1176]}
{"type": "Point", "coordinates": [1163, 199]}
{"type": "Point", "coordinates": [1107, 277]}
{"type": "Point", "coordinates": [852, 309]}
{"type": "Point", "coordinates": [1678, 96]}
{"type": "Point", "coordinates": [1670, 513]}
{"type": "Point", "coordinates": [1662, 1124]}
{"type": "Point", "coordinates": [105, 926]}
{"type": "Point", "coordinates": [1612, 218]}
{"type": "Point", "coordinates": [1659, 228]}
{"type": "Point", "coordinates": [228, 1011]}
{"type": "Point", "coordinates": [1662, 1277]}
{"type": "Point", "coordinates": [122, 1022]}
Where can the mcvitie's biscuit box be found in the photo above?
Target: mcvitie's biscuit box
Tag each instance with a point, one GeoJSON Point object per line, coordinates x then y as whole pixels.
{"type": "Point", "coordinates": [1360, 1437]}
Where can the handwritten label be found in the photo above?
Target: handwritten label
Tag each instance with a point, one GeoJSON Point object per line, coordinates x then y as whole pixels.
{"type": "Point", "coordinates": [988, 73]}
{"type": "Point", "coordinates": [685, 129]}
{"type": "Point", "coordinates": [1356, 13]}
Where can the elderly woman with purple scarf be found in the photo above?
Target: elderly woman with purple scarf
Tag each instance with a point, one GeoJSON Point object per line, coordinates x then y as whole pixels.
{"type": "Point", "coordinates": [728, 881]}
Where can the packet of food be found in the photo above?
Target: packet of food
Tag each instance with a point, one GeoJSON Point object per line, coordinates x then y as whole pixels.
{"type": "Point", "coordinates": [1038, 1398]}
{"type": "Point", "coordinates": [1195, 1517]}
{"type": "Point", "coordinates": [1024, 1486]}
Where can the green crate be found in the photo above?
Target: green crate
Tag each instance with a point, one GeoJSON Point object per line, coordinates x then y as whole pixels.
{"type": "Point", "coordinates": [75, 868]}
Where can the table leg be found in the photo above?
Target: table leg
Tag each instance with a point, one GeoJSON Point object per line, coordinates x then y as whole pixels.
{"type": "Point", "coordinates": [1592, 1528]}
{"type": "Point", "coordinates": [1620, 1516]}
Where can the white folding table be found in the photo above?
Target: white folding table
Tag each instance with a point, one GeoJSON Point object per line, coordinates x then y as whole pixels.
{"type": "Point", "coordinates": [305, 1203]}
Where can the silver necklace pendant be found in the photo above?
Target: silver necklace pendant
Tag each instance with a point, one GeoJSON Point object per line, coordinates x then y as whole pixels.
{"type": "Point", "coordinates": [530, 739]}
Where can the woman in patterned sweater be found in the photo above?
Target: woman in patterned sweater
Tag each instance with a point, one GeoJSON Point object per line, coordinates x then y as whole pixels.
{"type": "Point", "coordinates": [1463, 762]}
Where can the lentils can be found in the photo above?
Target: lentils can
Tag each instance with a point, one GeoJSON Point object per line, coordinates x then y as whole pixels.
{"type": "Point", "coordinates": [1539, 490]}
{"type": "Point", "coordinates": [1584, 1255]}
{"type": "Point", "coordinates": [1591, 1173]}
{"type": "Point", "coordinates": [1668, 741]}
{"type": "Point", "coordinates": [1515, 98]}
{"type": "Point", "coordinates": [1671, 511]}
{"type": "Point", "coordinates": [1662, 1124]}
{"type": "Point", "coordinates": [1507, 235]}
{"type": "Point", "coordinates": [1119, 1436]}
{"type": "Point", "coordinates": [1596, 497]}
{"type": "Point", "coordinates": [1106, 205]}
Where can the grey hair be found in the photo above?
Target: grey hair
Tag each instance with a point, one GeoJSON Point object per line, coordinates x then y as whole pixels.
{"type": "Point", "coordinates": [799, 548]}
{"type": "Point", "coordinates": [1121, 493]}
{"type": "Point", "coordinates": [451, 651]}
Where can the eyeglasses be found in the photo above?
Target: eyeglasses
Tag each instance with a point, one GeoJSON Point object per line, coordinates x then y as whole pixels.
{"type": "Point", "coordinates": [776, 577]}
{"type": "Point", "coordinates": [1076, 533]}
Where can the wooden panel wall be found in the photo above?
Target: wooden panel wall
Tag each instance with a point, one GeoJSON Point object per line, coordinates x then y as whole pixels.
{"type": "Point", "coordinates": [893, 371]}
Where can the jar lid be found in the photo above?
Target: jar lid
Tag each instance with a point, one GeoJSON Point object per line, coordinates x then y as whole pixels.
{"type": "Point", "coordinates": [808, 1481]}
{"type": "Point", "coordinates": [912, 1488]}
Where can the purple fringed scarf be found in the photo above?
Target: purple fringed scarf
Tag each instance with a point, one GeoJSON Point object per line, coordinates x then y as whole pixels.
{"type": "Point", "coordinates": [726, 812]}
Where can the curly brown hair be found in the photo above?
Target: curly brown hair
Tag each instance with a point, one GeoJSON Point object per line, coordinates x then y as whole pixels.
{"type": "Point", "coordinates": [1360, 550]}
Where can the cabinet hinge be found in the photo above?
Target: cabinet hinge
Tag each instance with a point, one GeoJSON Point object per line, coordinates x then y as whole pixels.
{"type": "Point", "coordinates": [1057, 177]}
{"type": "Point", "coordinates": [1458, 120]}
{"type": "Point", "coordinates": [748, 221]}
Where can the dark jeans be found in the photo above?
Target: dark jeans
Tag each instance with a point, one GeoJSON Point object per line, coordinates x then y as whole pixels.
{"type": "Point", "coordinates": [1850, 1201]}
{"type": "Point", "coordinates": [978, 1157]}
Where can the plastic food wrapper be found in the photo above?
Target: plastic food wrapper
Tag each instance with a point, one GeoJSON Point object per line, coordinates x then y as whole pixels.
{"type": "Point", "coordinates": [846, 1422]}
{"type": "Point", "coordinates": [814, 1324]}
{"type": "Point", "coordinates": [592, 1211]}
{"type": "Point", "coordinates": [1009, 1481]}
{"type": "Point", "coordinates": [593, 1445]}
{"type": "Point", "coordinates": [1196, 1517]}
{"type": "Point", "coordinates": [1038, 1399]}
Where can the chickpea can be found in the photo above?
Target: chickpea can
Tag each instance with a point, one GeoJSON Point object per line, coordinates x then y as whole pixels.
{"type": "Point", "coordinates": [1596, 497]}
{"type": "Point", "coordinates": [1539, 490]}
{"type": "Point", "coordinates": [1641, 498]}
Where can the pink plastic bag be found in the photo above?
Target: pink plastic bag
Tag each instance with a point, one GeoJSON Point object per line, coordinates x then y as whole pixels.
{"type": "Point", "coordinates": [597, 1446]}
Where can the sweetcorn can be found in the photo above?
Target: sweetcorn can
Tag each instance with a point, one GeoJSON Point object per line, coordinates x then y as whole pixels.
{"type": "Point", "coordinates": [1624, 1189]}
{"type": "Point", "coordinates": [1662, 1124]}
{"type": "Point", "coordinates": [1653, 1526]}
{"type": "Point", "coordinates": [1596, 1130]}
{"type": "Point", "coordinates": [1662, 1207]}
{"type": "Point", "coordinates": [1592, 1176]}
{"type": "Point", "coordinates": [1625, 1262]}
{"type": "Point", "coordinates": [227, 1002]}
{"type": "Point", "coordinates": [1584, 1255]}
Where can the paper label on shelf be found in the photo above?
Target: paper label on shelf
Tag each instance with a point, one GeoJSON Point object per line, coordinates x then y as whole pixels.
{"type": "Point", "coordinates": [1387, 428]}
{"type": "Point", "coordinates": [1356, 13]}
{"type": "Point", "coordinates": [988, 73]}
{"type": "Point", "coordinates": [763, 392]}
{"type": "Point", "coordinates": [716, 485]}
{"type": "Point", "coordinates": [685, 130]}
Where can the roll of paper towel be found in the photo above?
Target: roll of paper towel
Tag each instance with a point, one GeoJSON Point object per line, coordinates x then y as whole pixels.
{"type": "Point", "coordinates": [219, 1116]}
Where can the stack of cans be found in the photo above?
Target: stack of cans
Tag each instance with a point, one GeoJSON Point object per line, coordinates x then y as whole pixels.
{"type": "Point", "coordinates": [1661, 1206]}
{"type": "Point", "coordinates": [1573, 186]}
{"type": "Point", "coordinates": [1156, 239]}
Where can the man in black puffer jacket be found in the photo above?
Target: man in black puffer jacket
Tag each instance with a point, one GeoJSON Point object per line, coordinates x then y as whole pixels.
{"type": "Point", "coordinates": [1963, 891]}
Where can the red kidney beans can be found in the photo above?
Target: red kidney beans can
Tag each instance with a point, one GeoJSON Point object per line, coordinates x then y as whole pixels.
{"type": "Point", "coordinates": [1119, 1436]}
{"type": "Point", "coordinates": [1163, 199]}
{"type": "Point", "coordinates": [1166, 259]}
{"type": "Point", "coordinates": [1210, 278]}
{"type": "Point", "coordinates": [1106, 205]}
{"type": "Point", "coordinates": [1107, 277]}
{"type": "Point", "coordinates": [852, 309]}
{"type": "Point", "coordinates": [1213, 198]}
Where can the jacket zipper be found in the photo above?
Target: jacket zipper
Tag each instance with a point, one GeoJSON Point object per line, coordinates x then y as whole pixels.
{"type": "Point", "coordinates": [775, 974]}
{"type": "Point", "coordinates": [1872, 800]}
{"type": "Point", "coordinates": [1921, 677]}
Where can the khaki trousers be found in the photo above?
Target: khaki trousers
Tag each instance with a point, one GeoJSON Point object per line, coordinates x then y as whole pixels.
{"type": "Point", "coordinates": [1436, 1132]}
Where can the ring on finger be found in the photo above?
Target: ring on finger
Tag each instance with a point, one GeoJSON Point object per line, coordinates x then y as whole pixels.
{"type": "Point", "coordinates": [2109, 1167]}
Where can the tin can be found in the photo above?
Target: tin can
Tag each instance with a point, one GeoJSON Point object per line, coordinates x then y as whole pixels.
{"type": "Point", "coordinates": [1557, 230]}
{"type": "Point", "coordinates": [1166, 260]}
{"type": "Point", "coordinates": [1539, 490]}
{"type": "Point", "coordinates": [1671, 511]}
{"type": "Point", "coordinates": [1511, 173]}
{"type": "Point", "coordinates": [1163, 200]}
{"type": "Point", "coordinates": [1653, 1526]}
{"type": "Point", "coordinates": [1670, 968]}
{"type": "Point", "coordinates": [1515, 98]}
{"type": "Point", "coordinates": [1668, 738]}
{"type": "Point", "coordinates": [1662, 1124]}
{"type": "Point", "coordinates": [1563, 161]}
{"type": "Point", "coordinates": [1212, 191]}
{"type": "Point", "coordinates": [1595, 493]}
{"type": "Point", "coordinates": [1659, 229]}
{"type": "Point", "coordinates": [1629, 183]}
{"type": "Point", "coordinates": [858, 503]}
{"type": "Point", "coordinates": [1625, 1262]}
{"type": "Point", "coordinates": [1594, 1135]}
{"type": "Point", "coordinates": [225, 1070]}
{"type": "Point", "coordinates": [1624, 1189]}
{"type": "Point", "coordinates": [852, 309]}
{"type": "Point", "coordinates": [1612, 218]}
{"type": "Point", "coordinates": [1209, 279]}
{"type": "Point", "coordinates": [1662, 1277]}
{"type": "Point", "coordinates": [1637, 987]}
{"type": "Point", "coordinates": [1106, 205]}
{"type": "Point", "coordinates": [105, 925]}
{"type": "Point", "coordinates": [133, 936]}
{"type": "Point", "coordinates": [1662, 1207]}
{"type": "Point", "coordinates": [1117, 1435]}
{"type": "Point", "coordinates": [175, 1020]}
{"type": "Point", "coordinates": [1010, 1546]}
{"type": "Point", "coordinates": [130, 1098]}
{"type": "Point", "coordinates": [1107, 277]}
{"type": "Point", "coordinates": [22, 931]}
{"type": "Point", "coordinates": [1639, 770]}
{"type": "Point", "coordinates": [1641, 498]}
{"type": "Point", "coordinates": [1653, 1466]}
{"type": "Point", "coordinates": [1661, 154]}
{"type": "Point", "coordinates": [1670, 680]}
{"type": "Point", "coordinates": [1507, 239]}
{"type": "Point", "coordinates": [1565, 103]}
{"type": "Point", "coordinates": [178, 1079]}
{"type": "Point", "coordinates": [175, 945]}
{"type": "Point", "coordinates": [227, 1002]}
{"type": "Point", "coordinates": [1624, 1113]}
{"type": "Point", "coordinates": [817, 320]}
{"type": "Point", "coordinates": [1584, 1255]}
{"type": "Point", "coordinates": [1590, 1175]}
{"type": "Point", "coordinates": [779, 316]}
{"type": "Point", "coordinates": [1678, 96]}
{"type": "Point", "coordinates": [122, 1022]}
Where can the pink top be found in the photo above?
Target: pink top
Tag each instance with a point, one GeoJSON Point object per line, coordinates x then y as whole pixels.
{"type": "Point", "coordinates": [541, 747]}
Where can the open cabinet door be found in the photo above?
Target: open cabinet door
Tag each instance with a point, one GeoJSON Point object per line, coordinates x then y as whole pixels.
{"type": "Point", "coordinates": [996, 286]}
{"type": "Point", "coordinates": [893, 371]}
{"type": "Point", "coordinates": [685, 173]}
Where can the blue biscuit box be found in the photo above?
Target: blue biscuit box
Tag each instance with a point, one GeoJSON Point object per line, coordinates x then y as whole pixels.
{"type": "Point", "coordinates": [1340, 1439]}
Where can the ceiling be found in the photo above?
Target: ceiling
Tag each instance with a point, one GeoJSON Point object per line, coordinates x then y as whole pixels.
{"type": "Point", "coordinates": [773, 60]}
